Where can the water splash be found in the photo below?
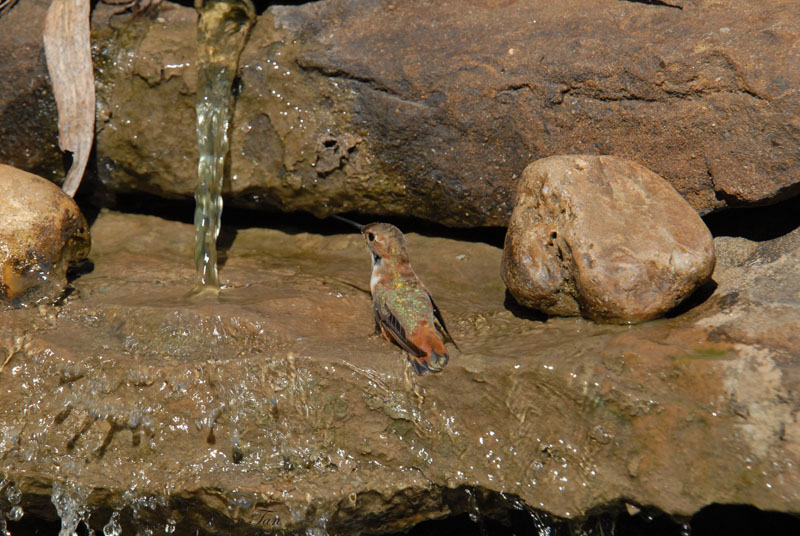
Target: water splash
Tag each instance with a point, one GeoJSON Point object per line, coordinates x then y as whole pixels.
{"type": "Point", "coordinates": [222, 28]}
{"type": "Point", "coordinates": [320, 529]}
{"type": "Point", "coordinates": [70, 502]}
{"type": "Point", "coordinates": [10, 492]}
{"type": "Point", "coordinates": [473, 510]}
{"type": "Point", "coordinates": [13, 494]}
{"type": "Point", "coordinates": [15, 513]}
{"type": "Point", "coordinates": [113, 527]}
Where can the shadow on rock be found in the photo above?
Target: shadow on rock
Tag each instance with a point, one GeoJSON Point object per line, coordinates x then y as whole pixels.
{"type": "Point", "coordinates": [758, 224]}
{"type": "Point", "coordinates": [521, 311]}
{"type": "Point", "coordinates": [698, 297]}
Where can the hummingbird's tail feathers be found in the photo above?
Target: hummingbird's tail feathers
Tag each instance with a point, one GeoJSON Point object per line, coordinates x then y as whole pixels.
{"type": "Point", "coordinates": [438, 361]}
{"type": "Point", "coordinates": [434, 362]}
{"type": "Point", "coordinates": [420, 367]}
{"type": "Point", "coordinates": [434, 356]}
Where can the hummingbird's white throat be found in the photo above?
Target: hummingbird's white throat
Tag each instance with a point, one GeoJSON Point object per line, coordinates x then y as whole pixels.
{"type": "Point", "coordinates": [375, 277]}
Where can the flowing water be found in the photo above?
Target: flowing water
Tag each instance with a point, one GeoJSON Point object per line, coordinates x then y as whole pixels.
{"type": "Point", "coordinates": [222, 29]}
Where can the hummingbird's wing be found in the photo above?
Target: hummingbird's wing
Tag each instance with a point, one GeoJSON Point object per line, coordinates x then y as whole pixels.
{"type": "Point", "coordinates": [389, 322]}
{"type": "Point", "coordinates": [438, 314]}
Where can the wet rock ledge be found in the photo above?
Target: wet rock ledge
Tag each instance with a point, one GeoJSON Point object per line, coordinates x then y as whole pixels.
{"type": "Point", "coordinates": [433, 110]}
{"type": "Point", "coordinates": [276, 409]}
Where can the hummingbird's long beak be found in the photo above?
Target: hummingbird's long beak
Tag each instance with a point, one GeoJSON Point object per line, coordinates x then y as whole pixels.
{"type": "Point", "coordinates": [349, 222]}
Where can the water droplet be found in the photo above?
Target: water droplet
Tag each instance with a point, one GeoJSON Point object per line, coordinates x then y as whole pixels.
{"type": "Point", "coordinates": [13, 494]}
{"type": "Point", "coordinates": [113, 528]}
{"type": "Point", "coordinates": [15, 514]}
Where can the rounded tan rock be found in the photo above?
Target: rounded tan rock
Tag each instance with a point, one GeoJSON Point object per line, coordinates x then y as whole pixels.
{"type": "Point", "coordinates": [42, 232]}
{"type": "Point", "coordinates": [605, 238]}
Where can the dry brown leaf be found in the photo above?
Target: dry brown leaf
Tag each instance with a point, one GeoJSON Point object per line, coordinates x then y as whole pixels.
{"type": "Point", "coordinates": [69, 61]}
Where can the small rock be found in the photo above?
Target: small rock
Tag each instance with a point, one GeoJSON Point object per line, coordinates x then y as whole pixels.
{"type": "Point", "coordinates": [42, 232]}
{"type": "Point", "coordinates": [605, 238]}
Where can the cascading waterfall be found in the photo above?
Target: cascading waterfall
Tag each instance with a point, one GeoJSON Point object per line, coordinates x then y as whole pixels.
{"type": "Point", "coordinates": [222, 29]}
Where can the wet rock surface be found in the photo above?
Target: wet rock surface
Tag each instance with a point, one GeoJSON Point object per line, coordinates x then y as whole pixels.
{"type": "Point", "coordinates": [604, 238]}
{"type": "Point", "coordinates": [276, 408]}
{"type": "Point", "coordinates": [28, 117]}
{"type": "Point", "coordinates": [437, 117]}
{"type": "Point", "coordinates": [42, 233]}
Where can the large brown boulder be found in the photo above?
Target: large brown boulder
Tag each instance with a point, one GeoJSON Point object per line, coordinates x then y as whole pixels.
{"type": "Point", "coordinates": [434, 109]}
{"type": "Point", "coordinates": [603, 237]}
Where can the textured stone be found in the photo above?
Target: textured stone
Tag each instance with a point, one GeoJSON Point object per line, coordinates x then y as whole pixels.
{"type": "Point", "coordinates": [603, 237]}
{"type": "Point", "coordinates": [42, 232]}
{"type": "Point", "coordinates": [28, 116]}
{"type": "Point", "coordinates": [276, 409]}
{"type": "Point", "coordinates": [434, 109]}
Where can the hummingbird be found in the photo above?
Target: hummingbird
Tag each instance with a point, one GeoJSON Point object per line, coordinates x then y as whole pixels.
{"type": "Point", "coordinates": [405, 312]}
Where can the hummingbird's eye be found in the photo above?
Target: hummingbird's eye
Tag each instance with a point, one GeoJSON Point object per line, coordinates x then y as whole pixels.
{"type": "Point", "coordinates": [371, 237]}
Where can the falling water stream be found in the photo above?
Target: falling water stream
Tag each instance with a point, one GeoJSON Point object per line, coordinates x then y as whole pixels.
{"type": "Point", "coordinates": [222, 29]}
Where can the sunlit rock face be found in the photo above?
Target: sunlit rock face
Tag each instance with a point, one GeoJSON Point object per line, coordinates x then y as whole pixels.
{"type": "Point", "coordinates": [434, 110]}
{"type": "Point", "coordinates": [276, 408]}
{"type": "Point", "coordinates": [42, 232]}
{"type": "Point", "coordinates": [605, 238]}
